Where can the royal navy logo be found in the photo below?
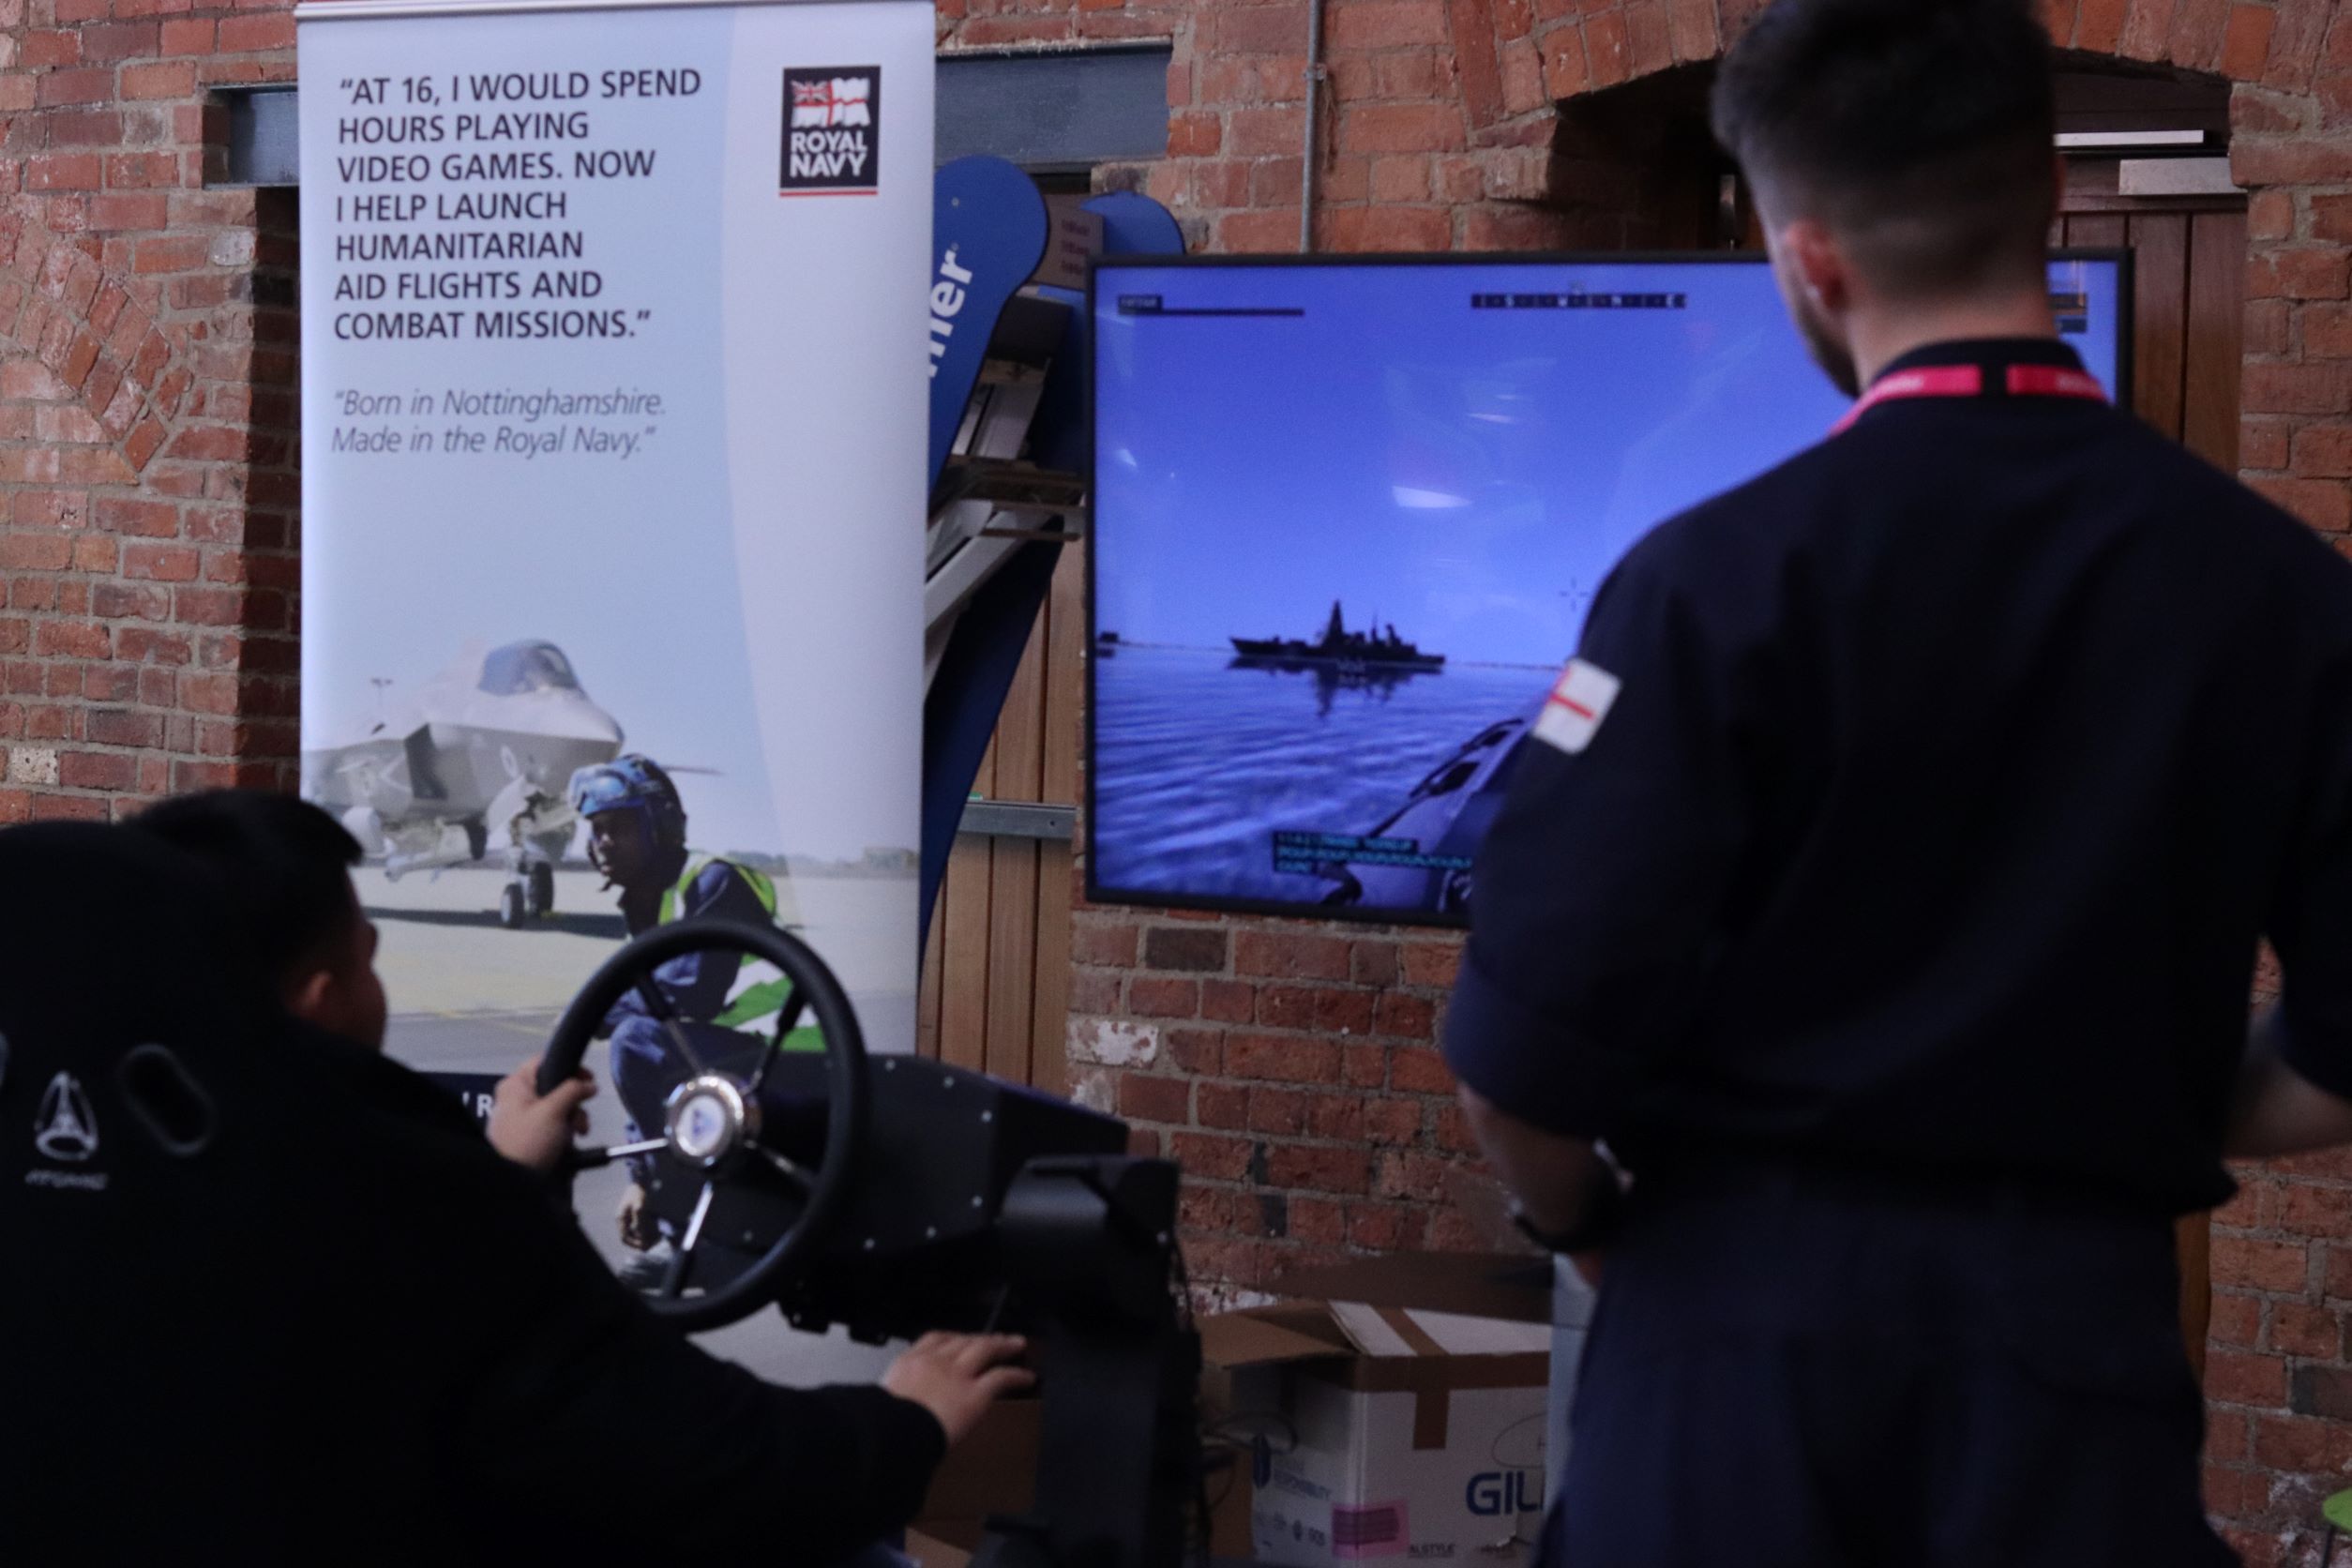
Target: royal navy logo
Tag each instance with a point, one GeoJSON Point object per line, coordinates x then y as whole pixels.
{"type": "Point", "coordinates": [832, 131]}
{"type": "Point", "coordinates": [66, 1128]}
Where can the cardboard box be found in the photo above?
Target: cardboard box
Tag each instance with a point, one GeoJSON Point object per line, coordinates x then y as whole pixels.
{"type": "Point", "coordinates": [1387, 1432]}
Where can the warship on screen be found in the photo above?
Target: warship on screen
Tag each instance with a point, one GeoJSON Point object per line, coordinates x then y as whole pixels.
{"type": "Point", "coordinates": [1338, 645]}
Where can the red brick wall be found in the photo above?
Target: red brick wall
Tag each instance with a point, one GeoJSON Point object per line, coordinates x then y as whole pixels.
{"type": "Point", "coordinates": [146, 412]}
{"type": "Point", "coordinates": [147, 525]}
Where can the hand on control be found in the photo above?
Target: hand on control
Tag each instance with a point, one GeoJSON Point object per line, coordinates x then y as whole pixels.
{"type": "Point", "coordinates": [638, 1230]}
{"type": "Point", "coordinates": [957, 1377]}
{"type": "Point", "coordinates": [533, 1129]}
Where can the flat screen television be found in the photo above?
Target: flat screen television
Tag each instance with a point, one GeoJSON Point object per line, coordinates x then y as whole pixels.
{"type": "Point", "coordinates": [1348, 515]}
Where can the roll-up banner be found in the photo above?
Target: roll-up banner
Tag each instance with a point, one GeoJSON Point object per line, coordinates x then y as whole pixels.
{"type": "Point", "coordinates": [613, 421]}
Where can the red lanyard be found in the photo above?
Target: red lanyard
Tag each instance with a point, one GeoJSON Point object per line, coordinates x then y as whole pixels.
{"type": "Point", "coordinates": [1967, 381]}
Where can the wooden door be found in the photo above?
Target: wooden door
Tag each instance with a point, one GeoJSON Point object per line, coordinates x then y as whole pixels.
{"type": "Point", "coordinates": [2188, 266]}
{"type": "Point", "coordinates": [996, 969]}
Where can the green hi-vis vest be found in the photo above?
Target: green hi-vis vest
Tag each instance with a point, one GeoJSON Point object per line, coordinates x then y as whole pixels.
{"type": "Point", "coordinates": [756, 1001]}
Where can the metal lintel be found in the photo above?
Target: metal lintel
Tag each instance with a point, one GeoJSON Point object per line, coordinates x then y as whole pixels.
{"type": "Point", "coordinates": [1012, 819]}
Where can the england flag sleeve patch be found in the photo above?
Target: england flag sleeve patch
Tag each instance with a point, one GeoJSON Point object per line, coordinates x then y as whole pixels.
{"type": "Point", "coordinates": [1577, 705]}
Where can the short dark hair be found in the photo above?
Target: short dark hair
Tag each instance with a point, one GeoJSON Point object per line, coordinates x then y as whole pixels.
{"type": "Point", "coordinates": [1921, 133]}
{"type": "Point", "coordinates": [284, 864]}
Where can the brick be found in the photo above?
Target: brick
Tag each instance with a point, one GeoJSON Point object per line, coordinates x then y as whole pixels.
{"type": "Point", "coordinates": [2308, 274]}
{"type": "Point", "coordinates": [1607, 50]}
{"type": "Point", "coordinates": [1227, 1001]}
{"type": "Point", "coordinates": [1144, 1097]}
{"type": "Point", "coordinates": [1195, 1051]}
{"type": "Point", "coordinates": [2238, 1378]}
{"type": "Point", "coordinates": [1264, 132]}
{"type": "Point", "coordinates": [1152, 996]}
{"type": "Point", "coordinates": [1691, 26]}
{"type": "Point", "coordinates": [1419, 1072]}
{"type": "Point", "coordinates": [1192, 948]}
{"type": "Point", "coordinates": [1259, 30]}
{"type": "Point", "coordinates": [1198, 134]}
{"type": "Point", "coordinates": [1320, 1220]}
{"type": "Point", "coordinates": [2297, 1327]}
{"type": "Point", "coordinates": [1401, 128]}
{"type": "Point", "coordinates": [1373, 963]}
{"type": "Point", "coordinates": [1366, 24]}
{"type": "Point", "coordinates": [1392, 1123]}
{"type": "Point", "coordinates": [1210, 1157]}
{"type": "Point", "coordinates": [1318, 1167]}
{"type": "Point", "coordinates": [2327, 332]}
{"type": "Point", "coordinates": [63, 87]}
{"type": "Point", "coordinates": [2259, 1265]}
{"type": "Point", "coordinates": [1286, 1059]}
{"type": "Point", "coordinates": [1430, 963]}
{"type": "Point", "coordinates": [1223, 1106]}
{"type": "Point", "coordinates": [2099, 25]}
{"type": "Point", "coordinates": [1402, 1016]}
{"type": "Point", "coordinates": [1384, 1226]}
{"type": "Point", "coordinates": [2321, 1391]}
{"type": "Point", "coordinates": [186, 36]}
{"type": "Point", "coordinates": [161, 563]}
{"type": "Point", "coordinates": [1090, 943]}
{"type": "Point", "coordinates": [161, 79]}
{"type": "Point", "coordinates": [1419, 1178]}
{"type": "Point", "coordinates": [2297, 390]}
{"type": "Point", "coordinates": [1363, 1067]}
{"type": "Point", "coordinates": [1284, 955]}
{"type": "Point", "coordinates": [243, 35]}
{"type": "Point", "coordinates": [2238, 1320]}
{"type": "Point", "coordinates": [114, 43]}
{"type": "Point", "coordinates": [1094, 992]}
{"type": "Point", "coordinates": [1566, 70]}
{"type": "Point", "coordinates": [1279, 1111]}
{"type": "Point", "coordinates": [2246, 43]}
{"type": "Point", "coordinates": [1338, 1012]}
{"type": "Point", "coordinates": [2300, 161]}
{"type": "Point", "coordinates": [96, 770]}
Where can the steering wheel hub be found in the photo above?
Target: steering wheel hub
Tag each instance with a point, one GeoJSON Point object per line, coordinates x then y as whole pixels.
{"type": "Point", "coordinates": [709, 1120]}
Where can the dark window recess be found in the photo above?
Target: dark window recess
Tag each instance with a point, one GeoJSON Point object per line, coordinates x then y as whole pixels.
{"type": "Point", "coordinates": [263, 146]}
{"type": "Point", "coordinates": [1053, 112]}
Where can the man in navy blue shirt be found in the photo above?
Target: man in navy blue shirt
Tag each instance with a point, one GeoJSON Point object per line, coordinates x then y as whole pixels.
{"type": "Point", "coordinates": [1860, 959]}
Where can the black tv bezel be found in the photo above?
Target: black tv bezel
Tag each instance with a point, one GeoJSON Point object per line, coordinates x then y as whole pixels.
{"type": "Point", "coordinates": [1096, 892]}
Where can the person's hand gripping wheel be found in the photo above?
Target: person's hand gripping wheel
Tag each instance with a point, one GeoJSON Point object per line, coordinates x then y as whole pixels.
{"type": "Point", "coordinates": [767, 1172]}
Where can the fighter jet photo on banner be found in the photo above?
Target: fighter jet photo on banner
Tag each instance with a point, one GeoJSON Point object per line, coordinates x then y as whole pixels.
{"type": "Point", "coordinates": [614, 429]}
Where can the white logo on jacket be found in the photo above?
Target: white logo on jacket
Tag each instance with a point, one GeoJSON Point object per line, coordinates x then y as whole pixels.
{"type": "Point", "coordinates": [1577, 705]}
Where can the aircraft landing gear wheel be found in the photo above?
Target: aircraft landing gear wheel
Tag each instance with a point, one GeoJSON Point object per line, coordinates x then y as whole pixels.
{"type": "Point", "coordinates": [511, 913]}
{"type": "Point", "coordinates": [540, 897]}
{"type": "Point", "coordinates": [746, 1185]}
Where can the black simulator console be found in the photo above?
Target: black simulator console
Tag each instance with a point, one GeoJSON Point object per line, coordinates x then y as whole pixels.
{"type": "Point", "coordinates": [896, 1196]}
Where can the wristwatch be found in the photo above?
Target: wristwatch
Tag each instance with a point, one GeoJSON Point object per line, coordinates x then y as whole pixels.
{"type": "Point", "coordinates": [1604, 1213]}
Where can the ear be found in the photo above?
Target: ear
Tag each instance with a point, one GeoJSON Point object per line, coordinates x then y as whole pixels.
{"type": "Point", "coordinates": [306, 997]}
{"type": "Point", "coordinates": [1818, 264]}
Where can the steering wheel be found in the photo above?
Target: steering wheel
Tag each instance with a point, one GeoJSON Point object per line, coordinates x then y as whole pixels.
{"type": "Point", "coordinates": [749, 1189]}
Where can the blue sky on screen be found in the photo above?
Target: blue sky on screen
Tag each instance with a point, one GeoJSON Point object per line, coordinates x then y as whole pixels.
{"type": "Point", "coordinates": [1469, 476]}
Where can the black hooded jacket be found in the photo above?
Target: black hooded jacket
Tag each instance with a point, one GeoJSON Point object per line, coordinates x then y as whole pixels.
{"type": "Point", "coordinates": [266, 1297]}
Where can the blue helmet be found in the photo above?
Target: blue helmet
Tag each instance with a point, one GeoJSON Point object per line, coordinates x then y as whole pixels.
{"type": "Point", "coordinates": [633, 783]}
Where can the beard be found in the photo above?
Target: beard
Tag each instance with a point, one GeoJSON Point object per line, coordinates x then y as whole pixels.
{"type": "Point", "coordinates": [1836, 359]}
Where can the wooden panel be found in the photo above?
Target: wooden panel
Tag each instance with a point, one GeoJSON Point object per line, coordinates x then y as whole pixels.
{"type": "Point", "coordinates": [1013, 885]}
{"type": "Point", "coordinates": [2217, 337]}
{"type": "Point", "coordinates": [2096, 231]}
{"type": "Point", "coordinates": [2193, 1244]}
{"type": "Point", "coordinates": [2159, 252]}
{"type": "Point", "coordinates": [1065, 688]}
{"type": "Point", "coordinates": [927, 997]}
{"type": "Point", "coordinates": [963, 1026]}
